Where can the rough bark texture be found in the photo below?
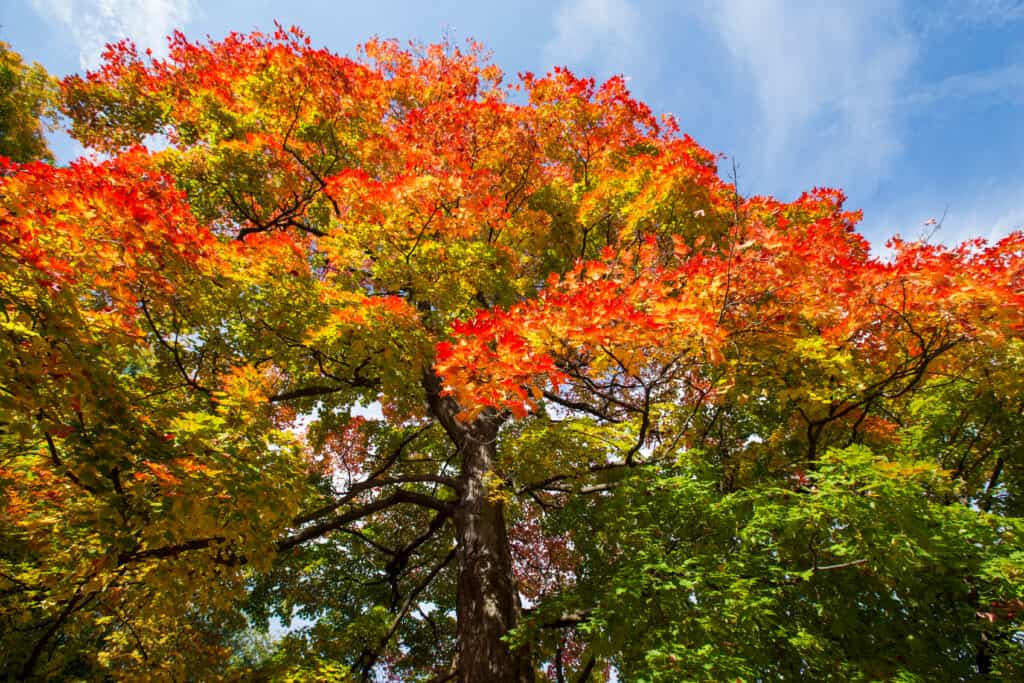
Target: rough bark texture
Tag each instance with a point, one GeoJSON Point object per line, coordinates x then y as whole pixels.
{"type": "Point", "coordinates": [488, 602]}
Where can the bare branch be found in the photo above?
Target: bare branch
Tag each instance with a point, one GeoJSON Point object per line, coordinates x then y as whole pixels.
{"type": "Point", "coordinates": [841, 565]}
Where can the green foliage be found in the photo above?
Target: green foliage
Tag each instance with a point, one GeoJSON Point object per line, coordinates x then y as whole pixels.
{"type": "Point", "coordinates": [28, 97]}
{"type": "Point", "coordinates": [859, 572]}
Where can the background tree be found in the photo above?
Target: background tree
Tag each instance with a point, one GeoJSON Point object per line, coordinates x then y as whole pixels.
{"type": "Point", "coordinates": [27, 98]}
{"type": "Point", "coordinates": [384, 344]}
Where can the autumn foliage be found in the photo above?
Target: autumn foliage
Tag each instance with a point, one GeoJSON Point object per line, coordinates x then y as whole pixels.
{"type": "Point", "coordinates": [482, 381]}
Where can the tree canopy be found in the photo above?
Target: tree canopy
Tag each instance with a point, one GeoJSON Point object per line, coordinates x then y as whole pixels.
{"type": "Point", "coordinates": [460, 379]}
{"type": "Point", "coordinates": [27, 100]}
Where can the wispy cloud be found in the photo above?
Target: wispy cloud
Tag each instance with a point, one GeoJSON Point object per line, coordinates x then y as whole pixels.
{"type": "Point", "coordinates": [597, 34]}
{"type": "Point", "coordinates": [94, 23]}
{"type": "Point", "coordinates": [1004, 83]}
{"type": "Point", "coordinates": [992, 11]}
{"type": "Point", "coordinates": [990, 210]}
{"type": "Point", "coordinates": [824, 82]}
{"type": "Point", "coordinates": [953, 15]}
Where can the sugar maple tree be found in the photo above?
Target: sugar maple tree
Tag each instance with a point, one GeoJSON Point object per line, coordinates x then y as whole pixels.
{"type": "Point", "coordinates": [614, 416]}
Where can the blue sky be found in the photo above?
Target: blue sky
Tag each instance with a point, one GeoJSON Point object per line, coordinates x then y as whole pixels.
{"type": "Point", "coordinates": [913, 108]}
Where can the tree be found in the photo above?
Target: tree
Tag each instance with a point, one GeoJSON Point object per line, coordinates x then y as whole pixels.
{"type": "Point", "coordinates": [480, 382]}
{"type": "Point", "coordinates": [27, 96]}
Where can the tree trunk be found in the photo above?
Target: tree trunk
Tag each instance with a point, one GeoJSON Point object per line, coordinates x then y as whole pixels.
{"type": "Point", "coordinates": [487, 605]}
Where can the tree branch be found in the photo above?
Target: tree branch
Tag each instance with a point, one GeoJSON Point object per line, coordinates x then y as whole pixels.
{"type": "Point", "coordinates": [397, 498]}
{"type": "Point", "coordinates": [368, 482]}
{"type": "Point", "coordinates": [371, 657]}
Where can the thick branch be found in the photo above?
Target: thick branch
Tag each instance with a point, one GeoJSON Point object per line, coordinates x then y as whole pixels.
{"type": "Point", "coordinates": [580, 407]}
{"type": "Point", "coordinates": [372, 480]}
{"type": "Point", "coordinates": [59, 464]}
{"type": "Point", "coordinates": [305, 392]}
{"type": "Point", "coordinates": [545, 484]}
{"type": "Point", "coordinates": [568, 619]}
{"type": "Point", "coordinates": [401, 557]}
{"type": "Point", "coordinates": [170, 550]}
{"type": "Point", "coordinates": [338, 521]}
{"type": "Point", "coordinates": [587, 670]}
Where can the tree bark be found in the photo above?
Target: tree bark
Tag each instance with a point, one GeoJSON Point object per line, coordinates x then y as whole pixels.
{"type": "Point", "coordinates": [488, 603]}
{"type": "Point", "coordinates": [487, 606]}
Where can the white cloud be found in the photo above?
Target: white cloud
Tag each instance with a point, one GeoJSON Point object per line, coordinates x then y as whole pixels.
{"type": "Point", "coordinates": [994, 225]}
{"type": "Point", "coordinates": [603, 34]}
{"type": "Point", "coordinates": [824, 80]}
{"type": "Point", "coordinates": [991, 211]}
{"type": "Point", "coordinates": [992, 11]}
{"type": "Point", "coordinates": [94, 23]}
{"type": "Point", "coordinates": [953, 15]}
{"type": "Point", "coordinates": [993, 214]}
{"type": "Point", "coordinates": [999, 83]}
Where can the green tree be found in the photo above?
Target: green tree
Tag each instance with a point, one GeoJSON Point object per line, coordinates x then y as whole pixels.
{"type": "Point", "coordinates": [27, 98]}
